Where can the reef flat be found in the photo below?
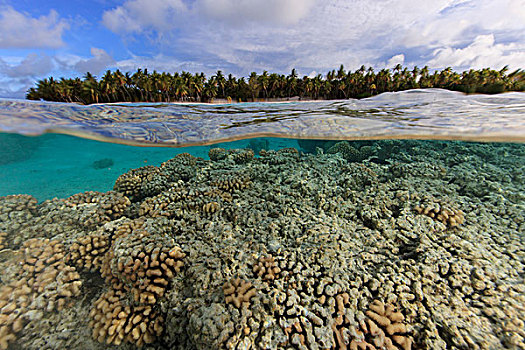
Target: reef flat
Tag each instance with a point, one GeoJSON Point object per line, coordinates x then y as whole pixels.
{"type": "Point", "coordinates": [369, 245]}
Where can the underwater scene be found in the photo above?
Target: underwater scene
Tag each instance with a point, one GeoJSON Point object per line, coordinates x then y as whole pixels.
{"type": "Point", "coordinates": [392, 222]}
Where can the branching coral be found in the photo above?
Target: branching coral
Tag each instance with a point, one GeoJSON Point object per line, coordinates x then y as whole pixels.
{"type": "Point", "coordinates": [384, 327]}
{"type": "Point", "coordinates": [3, 237]}
{"type": "Point", "coordinates": [88, 251]}
{"type": "Point", "coordinates": [44, 283]}
{"type": "Point", "coordinates": [113, 321]}
{"type": "Point", "coordinates": [442, 212]}
{"type": "Point", "coordinates": [139, 183]}
{"type": "Point", "coordinates": [267, 268]}
{"type": "Point", "coordinates": [231, 183]}
{"type": "Point", "coordinates": [217, 154]}
{"type": "Point", "coordinates": [238, 292]}
{"type": "Point", "coordinates": [146, 266]}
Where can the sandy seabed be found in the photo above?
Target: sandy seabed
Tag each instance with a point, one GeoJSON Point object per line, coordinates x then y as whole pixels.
{"type": "Point", "coordinates": [364, 245]}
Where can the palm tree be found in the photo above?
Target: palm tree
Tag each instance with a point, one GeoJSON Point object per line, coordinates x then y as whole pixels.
{"type": "Point", "coordinates": [253, 85]}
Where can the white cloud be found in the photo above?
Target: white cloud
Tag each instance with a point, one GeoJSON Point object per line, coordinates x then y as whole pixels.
{"type": "Point", "coordinates": [19, 30]}
{"type": "Point", "coordinates": [101, 60]}
{"type": "Point", "coordinates": [267, 11]}
{"type": "Point", "coordinates": [395, 60]}
{"type": "Point", "coordinates": [33, 65]}
{"type": "Point", "coordinates": [481, 53]}
{"type": "Point", "coordinates": [137, 16]}
{"type": "Point", "coordinates": [315, 34]}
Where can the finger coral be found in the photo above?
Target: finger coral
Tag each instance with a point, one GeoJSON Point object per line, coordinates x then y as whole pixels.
{"type": "Point", "coordinates": [3, 237]}
{"type": "Point", "coordinates": [146, 265]}
{"type": "Point", "coordinates": [218, 153]}
{"type": "Point", "coordinates": [88, 251]}
{"type": "Point", "coordinates": [267, 268]}
{"type": "Point", "coordinates": [444, 213]}
{"type": "Point", "coordinates": [238, 292]}
{"type": "Point", "coordinates": [231, 183]}
{"type": "Point", "coordinates": [114, 322]}
{"type": "Point", "coordinates": [384, 327]}
{"type": "Point", "coordinates": [43, 283]}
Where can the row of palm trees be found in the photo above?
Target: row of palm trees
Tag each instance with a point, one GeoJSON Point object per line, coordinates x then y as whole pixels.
{"type": "Point", "coordinates": [143, 86]}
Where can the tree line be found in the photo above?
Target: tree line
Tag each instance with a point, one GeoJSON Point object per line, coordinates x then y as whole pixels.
{"type": "Point", "coordinates": [143, 86]}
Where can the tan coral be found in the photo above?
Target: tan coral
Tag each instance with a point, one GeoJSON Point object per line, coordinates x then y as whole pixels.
{"type": "Point", "coordinates": [88, 251]}
{"type": "Point", "coordinates": [267, 268]}
{"type": "Point", "coordinates": [17, 202]}
{"type": "Point", "coordinates": [3, 238]}
{"type": "Point", "coordinates": [128, 227]}
{"type": "Point", "coordinates": [211, 207]}
{"type": "Point", "coordinates": [238, 292]}
{"type": "Point", "coordinates": [442, 212]}
{"type": "Point", "coordinates": [385, 328]}
{"type": "Point", "coordinates": [231, 183]}
{"type": "Point", "coordinates": [113, 321]}
{"type": "Point", "coordinates": [96, 208]}
{"type": "Point", "coordinates": [148, 267]}
{"type": "Point", "coordinates": [44, 283]}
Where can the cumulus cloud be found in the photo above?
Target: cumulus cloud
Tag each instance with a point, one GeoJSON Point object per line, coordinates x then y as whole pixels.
{"type": "Point", "coordinates": [101, 60]}
{"type": "Point", "coordinates": [313, 34]}
{"type": "Point", "coordinates": [481, 53]}
{"type": "Point", "coordinates": [137, 16]}
{"type": "Point", "coordinates": [19, 30]}
{"type": "Point", "coordinates": [33, 65]}
{"type": "Point", "coordinates": [17, 74]}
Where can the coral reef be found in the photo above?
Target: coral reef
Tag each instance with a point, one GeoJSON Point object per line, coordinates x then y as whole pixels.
{"type": "Point", "coordinates": [231, 183]}
{"type": "Point", "coordinates": [283, 251]}
{"type": "Point", "coordinates": [385, 328]}
{"type": "Point", "coordinates": [145, 264]}
{"type": "Point", "coordinates": [139, 183]}
{"type": "Point", "coordinates": [267, 268]}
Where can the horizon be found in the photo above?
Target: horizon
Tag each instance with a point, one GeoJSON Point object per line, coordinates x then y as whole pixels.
{"type": "Point", "coordinates": [70, 38]}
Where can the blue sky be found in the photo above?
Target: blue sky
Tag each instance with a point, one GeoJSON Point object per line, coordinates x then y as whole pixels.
{"type": "Point", "coordinates": [67, 38]}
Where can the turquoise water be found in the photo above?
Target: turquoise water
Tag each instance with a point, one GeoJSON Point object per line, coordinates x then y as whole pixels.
{"type": "Point", "coordinates": [55, 165]}
{"type": "Point", "coordinates": [385, 223]}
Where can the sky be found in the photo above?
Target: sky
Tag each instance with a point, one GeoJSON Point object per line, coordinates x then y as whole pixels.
{"type": "Point", "coordinates": [66, 38]}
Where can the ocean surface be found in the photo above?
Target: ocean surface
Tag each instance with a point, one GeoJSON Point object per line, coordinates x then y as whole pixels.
{"type": "Point", "coordinates": [392, 222]}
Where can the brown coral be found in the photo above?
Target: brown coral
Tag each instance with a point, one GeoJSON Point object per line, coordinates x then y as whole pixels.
{"type": "Point", "coordinates": [113, 321]}
{"type": "Point", "coordinates": [238, 292]}
{"type": "Point", "coordinates": [98, 208]}
{"type": "Point", "coordinates": [267, 268]}
{"type": "Point", "coordinates": [444, 213]}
